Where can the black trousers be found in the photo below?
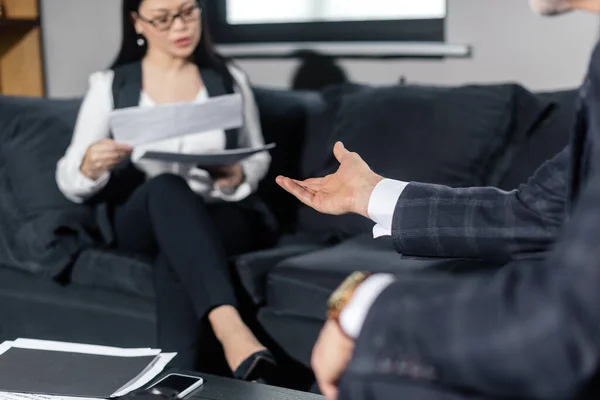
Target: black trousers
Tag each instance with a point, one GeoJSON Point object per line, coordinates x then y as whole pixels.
{"type": "Point", "coordinates": [190, 242]}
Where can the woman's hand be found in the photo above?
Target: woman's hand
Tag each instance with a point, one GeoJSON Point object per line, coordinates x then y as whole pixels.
{"type": "Point", "coordinates": [102, 157]}
{"type": "Point", "coordinates": [230, 176]}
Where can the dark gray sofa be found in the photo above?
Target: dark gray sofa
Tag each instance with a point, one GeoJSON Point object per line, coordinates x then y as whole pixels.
{"type": "Point", "coordinates": [55, 283]}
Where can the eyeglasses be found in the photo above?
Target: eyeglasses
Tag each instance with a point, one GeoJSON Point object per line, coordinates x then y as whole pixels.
{"type": "Point", "coordinates": [188, 14]}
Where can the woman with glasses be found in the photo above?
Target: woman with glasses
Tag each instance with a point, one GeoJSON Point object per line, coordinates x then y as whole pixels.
{"type": "Point", "coordinates": [188, 220]}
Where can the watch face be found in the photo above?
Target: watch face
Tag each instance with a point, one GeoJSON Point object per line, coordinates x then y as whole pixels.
{"type": "Point", "coordinates": [343, 294]}
{"type": "Point", "coordinates": [335, 297]}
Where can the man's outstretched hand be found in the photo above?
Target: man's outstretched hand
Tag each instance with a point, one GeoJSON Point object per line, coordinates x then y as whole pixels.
{"type": "Point", "coordinates": [348, 190]}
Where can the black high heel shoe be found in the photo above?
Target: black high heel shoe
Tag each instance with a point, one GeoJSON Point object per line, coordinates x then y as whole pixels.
{"type": "Point", "coordinates": [260, 367]}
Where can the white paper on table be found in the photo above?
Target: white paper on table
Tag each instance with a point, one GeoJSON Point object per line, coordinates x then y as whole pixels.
{"type": "Point", "coordinates": [4, 347]}
{"type": "Point", "coordinates": [28, 396]}
{"type": "Point", "coordinates": [49, 345]}
{"type": "Point", "coordinates": [141, 125]}
{"type": "Point", "coordinates": [151, 372]}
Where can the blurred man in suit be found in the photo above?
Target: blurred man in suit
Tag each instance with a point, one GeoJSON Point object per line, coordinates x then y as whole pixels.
{"type": "Point", "coordinates": [530, 330]}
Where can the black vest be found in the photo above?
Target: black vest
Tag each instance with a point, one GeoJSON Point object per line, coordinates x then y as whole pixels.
{"type": "Point", "coordinates": [126, 178]}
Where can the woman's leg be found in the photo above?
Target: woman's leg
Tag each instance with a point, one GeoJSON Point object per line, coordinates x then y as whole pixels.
{"type": "Point", "coordinates": [178, 328]}
{"type": "Point", "coordinates": [191, 269]}
{"type": "Point", "coordinates": [241, 231]}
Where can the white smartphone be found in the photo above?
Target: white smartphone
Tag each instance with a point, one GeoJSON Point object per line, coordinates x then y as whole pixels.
{"type": "Point", "coordinates": [180, 383]}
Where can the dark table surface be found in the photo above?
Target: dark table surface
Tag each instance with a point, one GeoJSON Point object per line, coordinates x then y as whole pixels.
{"type": "Point", "coordinates": [217, 388]}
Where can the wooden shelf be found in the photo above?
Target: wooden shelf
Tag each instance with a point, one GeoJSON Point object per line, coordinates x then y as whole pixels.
{"type": "Point", "coordinates": [20, 9]}
{"type": "Point", "coordinates": [21, 61]}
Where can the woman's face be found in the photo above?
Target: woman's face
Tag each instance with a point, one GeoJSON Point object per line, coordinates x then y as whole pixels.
{"type": "Point", "coordinates": [178, 37]}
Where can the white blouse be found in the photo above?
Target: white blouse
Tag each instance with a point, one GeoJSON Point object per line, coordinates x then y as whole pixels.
{"type": "Point", "coordinates": [92, 126]}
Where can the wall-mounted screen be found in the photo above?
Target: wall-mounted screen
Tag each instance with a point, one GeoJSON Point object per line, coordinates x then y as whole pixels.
{"type": "Point", "coordinates": [280, 21]}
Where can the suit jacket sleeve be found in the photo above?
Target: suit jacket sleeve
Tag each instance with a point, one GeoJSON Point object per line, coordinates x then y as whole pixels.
{"type": "Point", "coordinates": [438, 221]}
{"type": "Point", "coordinates": [530, 330]}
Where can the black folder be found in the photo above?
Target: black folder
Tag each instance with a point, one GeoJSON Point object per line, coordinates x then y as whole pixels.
{"type": "Point", "coordinates": [67, 374]}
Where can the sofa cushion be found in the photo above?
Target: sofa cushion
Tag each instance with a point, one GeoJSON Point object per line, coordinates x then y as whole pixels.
{"type": "Point", "coordinates": [43, 230]}
{"type": "Point", "coordinates": [528, 112]}
{"type": "Point", "coordinates": [36, 132]}
{"type": "Point", "coordinates": [546, 139]}
{"type": "Point", "coordinates": [253, 268]}
{"type": "Point", "coordinates": [41, 308]}
{"type": "Point", "coordinates": [312, 277]}
{"type": "Point", "coordinates": [321, 120]}
{"type": "Point", "coordinates": [452, 136]}
{"type": "Point", "coordinates": [282, 116]}
{"type": "Point", "coordinates": [114, 271]}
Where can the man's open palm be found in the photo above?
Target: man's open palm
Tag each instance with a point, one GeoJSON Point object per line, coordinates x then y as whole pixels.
{"type": "Point", "coordinates": [348, 190]}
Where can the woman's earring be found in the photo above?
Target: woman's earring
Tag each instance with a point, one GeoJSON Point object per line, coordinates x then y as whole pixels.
{"type": "Point", "coordinates": [141, 40]}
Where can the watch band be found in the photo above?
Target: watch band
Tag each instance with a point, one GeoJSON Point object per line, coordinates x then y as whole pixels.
{"type": "Point", "coordinates": [342, 296]}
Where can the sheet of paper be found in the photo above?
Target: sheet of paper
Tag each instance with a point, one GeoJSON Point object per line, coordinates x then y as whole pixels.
{"type": "Point", "coordinates": [4, 347]}
{"type": "Point", "coordinates": [217, 159]}
{"type": "Point", "coordinates": [34, 344]}
{"type": "Point", "coordinates": [141, 125]}
{"type": "Point", "coordinates": [27, 396]}
{"type": "Point", "coordinates": [151, 372]}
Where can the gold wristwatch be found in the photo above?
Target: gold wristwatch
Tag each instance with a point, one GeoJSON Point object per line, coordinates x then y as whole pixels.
{"type": "Point", "coordinates": [344, 293]}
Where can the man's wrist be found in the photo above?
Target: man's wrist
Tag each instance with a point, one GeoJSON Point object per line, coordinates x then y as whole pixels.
{"type": "Point", "coordinates": [354, 314]}
{"type": "Point", "coordinates": [363, 195]}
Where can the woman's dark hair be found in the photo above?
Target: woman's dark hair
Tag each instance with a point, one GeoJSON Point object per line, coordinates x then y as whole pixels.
{"type": "Point", "coordinates": [204, 55]}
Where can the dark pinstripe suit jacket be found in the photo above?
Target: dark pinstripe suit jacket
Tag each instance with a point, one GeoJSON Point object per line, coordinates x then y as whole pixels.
{"type": "Point", "coordinates": [531, 329]}
{"type": "Point", "coordinates": [487, 223]}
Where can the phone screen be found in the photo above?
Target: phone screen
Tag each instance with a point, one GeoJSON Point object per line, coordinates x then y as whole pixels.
{"type": "Point", "coordinates": [178, 383]}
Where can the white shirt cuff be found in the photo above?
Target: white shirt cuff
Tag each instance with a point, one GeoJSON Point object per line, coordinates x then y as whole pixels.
{"type": "Point", "coordinates": [382, 205]}
{"type": "Point", "coordinates": [232, 195]}
{"type": "Point", "coordinates": [86, 187]}
{"type": "Point", "coordinates": [353, 316]}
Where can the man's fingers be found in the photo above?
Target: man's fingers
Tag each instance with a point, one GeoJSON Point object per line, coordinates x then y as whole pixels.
{"type": "Point", "coordinates": [296, 190]}
{"type": "Point", "coordinates": [339, 151]}
{"type": "Point", "coordinates": [329, 391]}
{"type": "Point", "coordinates": [313, 183]}
{"type": "Point", "coordinates": [305, 186]}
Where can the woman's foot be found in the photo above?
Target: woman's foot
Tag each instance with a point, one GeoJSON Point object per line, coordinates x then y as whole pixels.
{"type": "Point", "coordinates": [240, 345]}
{"type": "Point", "coordinates": [259, 367]}
{"type": "Point", "coordinates": [245, 355]}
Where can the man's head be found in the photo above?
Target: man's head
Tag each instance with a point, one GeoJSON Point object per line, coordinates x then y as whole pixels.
{"type": "Point", "coordinates": [550, 7]}
{"type": "Point", "coordinates": [554, 7]}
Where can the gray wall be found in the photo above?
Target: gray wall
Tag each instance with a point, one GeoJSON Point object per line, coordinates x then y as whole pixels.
{"type": "Point", "coordinates": [80, 37]}
{"type": "Point", "coordinates": [510, 44]}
